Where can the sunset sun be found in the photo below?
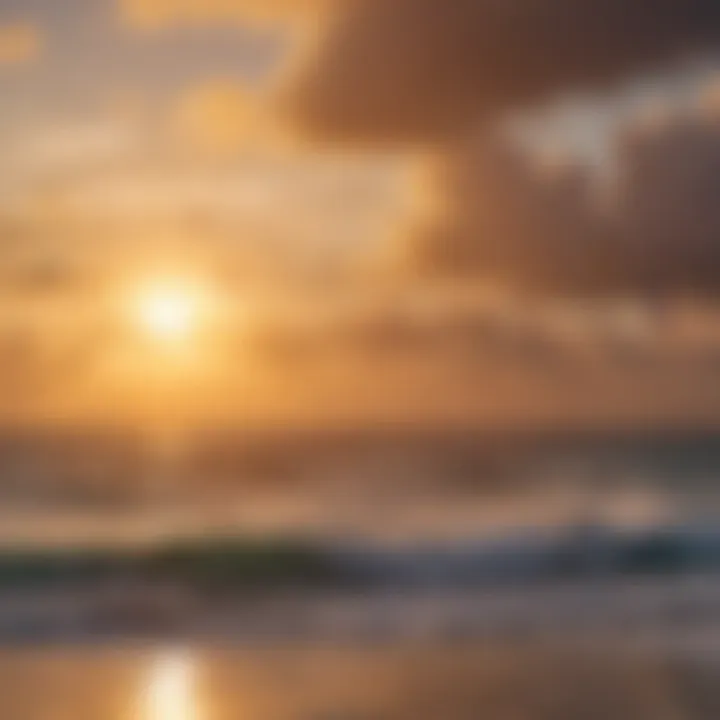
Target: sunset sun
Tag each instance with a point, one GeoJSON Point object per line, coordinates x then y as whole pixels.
{"type": "Point", "coordinates": [170, 311]}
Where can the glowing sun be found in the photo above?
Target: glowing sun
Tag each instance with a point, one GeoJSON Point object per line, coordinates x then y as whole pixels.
{"type": "Point", "coordinates": [170, 311]}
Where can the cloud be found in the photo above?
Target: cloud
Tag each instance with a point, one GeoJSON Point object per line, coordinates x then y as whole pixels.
{"type": "Point", "coordinates": [90, 142]}
{"type": "Point", "coordinates": [19, 44]}
{"type": "Point", "coordinates": [422, 69]}
{"type": "Point", "coordinates": [158, 14]}
{"type": "Point", "coordinates": [516, 361]}
{"type": "Point", "coordinates": [433, 73]}
{"type": "Point", "coordinates": [503, 218]}
{"type": "Point", "coordinates": [220, 117]}
{"type": "Point", "coordinates": [668, 209]}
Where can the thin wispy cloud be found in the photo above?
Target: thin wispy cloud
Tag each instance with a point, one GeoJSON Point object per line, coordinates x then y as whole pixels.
{"type": "Point", "coordinates": [20, 44]}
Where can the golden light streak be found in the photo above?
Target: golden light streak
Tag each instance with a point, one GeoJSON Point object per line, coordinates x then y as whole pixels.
{"type": "Point", "coordinates": [171, 692]}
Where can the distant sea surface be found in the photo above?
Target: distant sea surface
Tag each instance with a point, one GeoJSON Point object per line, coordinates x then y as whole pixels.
{"type": "Point", "coordinates": [390, 485]}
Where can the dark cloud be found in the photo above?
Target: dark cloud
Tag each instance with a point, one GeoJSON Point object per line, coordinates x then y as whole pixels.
{"type": "Point", "coordinates": [668, 206]}
{"type": "Point", "coordinates": [503, 218]}
{"type": "Point", "coordinates": [419, 69]}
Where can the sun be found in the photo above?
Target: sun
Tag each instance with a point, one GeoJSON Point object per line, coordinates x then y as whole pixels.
{"type": "Point", "coordinates": [170, 311]}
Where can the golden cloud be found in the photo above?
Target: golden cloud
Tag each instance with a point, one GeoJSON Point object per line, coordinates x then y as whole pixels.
{"type": "Point", "coordinates": [220, 117]}
{"type": "Point", "coordinates": [19, 44]}
{"type": "Point", "coordinates": [157, 14]}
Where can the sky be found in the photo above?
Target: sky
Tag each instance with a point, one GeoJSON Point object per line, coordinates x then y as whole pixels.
{"type": "Point", "coordinates": [379, 211]}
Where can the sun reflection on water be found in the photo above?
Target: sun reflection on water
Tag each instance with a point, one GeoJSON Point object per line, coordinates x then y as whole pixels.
{"type": "Point", "coordinates": [171, 689]}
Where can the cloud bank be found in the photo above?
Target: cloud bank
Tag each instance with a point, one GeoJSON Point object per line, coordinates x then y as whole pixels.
{"type": "Point", "coordinates": [504, 218]}
{"type": "Point", "coordinates": [433, 73]}
{"type": "Point", "coordinates": [439, 73]}
{"type": "Point", "coordinates": [423, 69]}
